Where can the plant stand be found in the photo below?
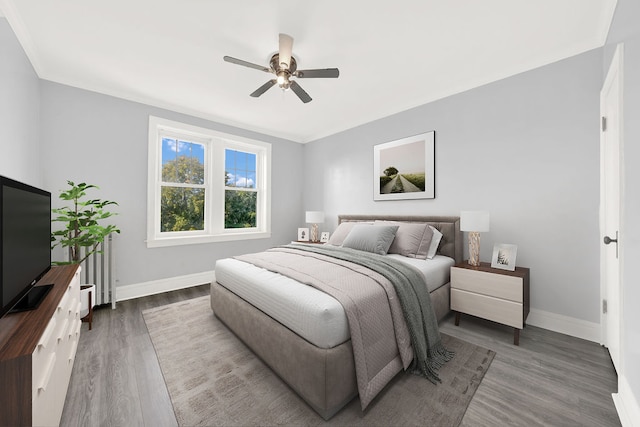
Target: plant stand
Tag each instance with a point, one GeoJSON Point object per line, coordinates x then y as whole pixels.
{"type": "Point", "coordinates": [87, 292]}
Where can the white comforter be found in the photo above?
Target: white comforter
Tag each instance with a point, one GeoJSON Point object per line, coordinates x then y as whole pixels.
{"type": "Point", "coordinates": [310, 313]}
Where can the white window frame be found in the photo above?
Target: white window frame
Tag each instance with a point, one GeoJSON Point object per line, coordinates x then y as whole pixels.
{"type": "Point", "coordinates": [215, 144]}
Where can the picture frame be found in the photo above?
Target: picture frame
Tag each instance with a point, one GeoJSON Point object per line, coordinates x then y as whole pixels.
{"type": "Point", "coordinates": [324, 237]}
{"type": "Point", "coordinates": [405, 168]}
{"type": "Point", "coordinates": [504, 256]}
{"type": "Point", "coordinates": [303, 234]}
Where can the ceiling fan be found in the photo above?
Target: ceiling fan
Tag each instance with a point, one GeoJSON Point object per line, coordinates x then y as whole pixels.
{"type": "Point", "coordinates": [285, 67]}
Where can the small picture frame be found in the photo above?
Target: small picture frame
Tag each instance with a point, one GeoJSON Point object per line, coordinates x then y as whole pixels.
{"type": "Point", "coordinates": [324, 237]}
{"type": "Point", "coordinates": [504, 256]}
{"type": "Point", "coordinates": [303, 234]}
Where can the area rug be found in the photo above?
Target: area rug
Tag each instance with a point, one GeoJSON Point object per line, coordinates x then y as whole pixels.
{"type": "Point", "coordinates": [214, 379]}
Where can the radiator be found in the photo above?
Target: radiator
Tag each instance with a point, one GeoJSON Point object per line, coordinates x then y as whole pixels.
{"type": "Point", "coordinates": [98, 269]}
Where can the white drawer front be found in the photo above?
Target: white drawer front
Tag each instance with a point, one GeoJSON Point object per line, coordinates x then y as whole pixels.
{"type": "Point", "coordinates": [52, 360]}
{"type": "Point", "coordinates": [490, 308]}
{"type": "Point", "coordinates": [491, 284]}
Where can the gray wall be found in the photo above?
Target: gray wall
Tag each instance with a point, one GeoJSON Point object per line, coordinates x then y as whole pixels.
{"type": "Point", "coordinates": [525, 148]}
{"type": "Point", "coordinates": [625, 29]}
{"type": "Point", "coordinates": [19, 111]}
{"type": "Point", "coordinates": [102, 140]}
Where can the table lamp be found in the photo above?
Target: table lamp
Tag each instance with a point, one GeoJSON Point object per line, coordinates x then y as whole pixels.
{"type": "Point", "coordinates": [474, 222]}
{"type": "Point", "coordinates": [314, 218]}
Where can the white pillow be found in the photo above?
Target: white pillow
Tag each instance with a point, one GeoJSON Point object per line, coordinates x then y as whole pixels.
{"type": "Point", "coordinates": [342, 231]}
{"type": "Point", "coordinates": [371, 238]}
{"type": "Point", "coordinates": [435, 242]}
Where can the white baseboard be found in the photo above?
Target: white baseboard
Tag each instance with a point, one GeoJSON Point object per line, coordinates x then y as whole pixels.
{"type": "Point", "coordinates": [589, 331]}
{"type": "Point", "coordinates": [163, 285]}
{"type": "Point", "coordinates": [564, 324]}
{"type": "Point", "coordinates": [554, 322]}
{"type": "Point", "coordinates": [626, 404]}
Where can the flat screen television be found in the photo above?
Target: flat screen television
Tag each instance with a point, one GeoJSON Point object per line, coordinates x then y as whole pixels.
{"type": "Point", "coordinates": [25, 244]}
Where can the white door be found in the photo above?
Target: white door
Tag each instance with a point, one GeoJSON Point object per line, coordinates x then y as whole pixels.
{"type": "Point", "coordinates": [610, 139]}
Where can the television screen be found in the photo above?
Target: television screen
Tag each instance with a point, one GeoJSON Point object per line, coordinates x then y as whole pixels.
{"type": "Point", "coordinates": [25, 239]}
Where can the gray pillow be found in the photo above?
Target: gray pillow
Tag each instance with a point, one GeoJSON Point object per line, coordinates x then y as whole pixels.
{"type": "Point", "coordinates": [371, 238]}
{"type": "Point", "coordinates": [342, 231]}
{"type": "Point", "coordinates": [412, 239]}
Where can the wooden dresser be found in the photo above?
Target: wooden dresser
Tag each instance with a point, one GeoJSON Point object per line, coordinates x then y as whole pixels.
{"type": "Point", "coordinates": [490, 293]}
{"type": "Point", "coordinates": [37, 351]}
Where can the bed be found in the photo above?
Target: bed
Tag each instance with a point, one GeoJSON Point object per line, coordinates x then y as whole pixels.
{"type": "Point", "coordinates": [313, 355]}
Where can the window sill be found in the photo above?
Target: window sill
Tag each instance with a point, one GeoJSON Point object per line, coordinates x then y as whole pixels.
{"type": "Point", "coordinates": [161, 242]}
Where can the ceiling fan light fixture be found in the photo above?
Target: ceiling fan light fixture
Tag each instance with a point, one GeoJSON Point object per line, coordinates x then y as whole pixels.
{"type": "Point", "coordinates": [284, 51]}
{"type": "Point", "coordinates": [284, 66]}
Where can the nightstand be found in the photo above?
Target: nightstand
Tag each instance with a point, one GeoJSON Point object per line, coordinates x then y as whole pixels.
{"type": "Point", "coordinates": [490, 293]}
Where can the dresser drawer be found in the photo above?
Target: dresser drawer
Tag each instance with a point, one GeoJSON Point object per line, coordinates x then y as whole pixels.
{"type": "Point", "coordinates": [480, 282]}
{"type": "Point", "coordinates": [498, 310]}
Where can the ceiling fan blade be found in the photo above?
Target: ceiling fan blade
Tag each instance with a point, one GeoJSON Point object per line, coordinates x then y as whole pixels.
{"type": "Point", "coordinates": [246, 64]}
{"type": "Point", "coordinates": [262, 89]}
{"type": "Point", "coordinates": [284, 53]}
{"type": "Point", "coordinates": [304, 96]}
{"type": "Point", "coordinates": [320, 73]}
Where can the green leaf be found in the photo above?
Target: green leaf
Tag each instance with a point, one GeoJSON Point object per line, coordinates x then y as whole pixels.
{"type": "Point", "coordinates": [82, 229]}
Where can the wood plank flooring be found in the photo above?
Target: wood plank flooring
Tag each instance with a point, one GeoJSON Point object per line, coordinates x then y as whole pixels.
{"type": "Point", "coordinates": [549, 380]}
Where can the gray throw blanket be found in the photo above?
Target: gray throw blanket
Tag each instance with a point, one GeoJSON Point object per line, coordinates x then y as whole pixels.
{"type": "Point", "coordinates": [429, 353]}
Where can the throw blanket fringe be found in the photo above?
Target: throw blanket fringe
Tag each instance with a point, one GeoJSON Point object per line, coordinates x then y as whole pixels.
{"type": "Point", "coordinates": [429, 353]}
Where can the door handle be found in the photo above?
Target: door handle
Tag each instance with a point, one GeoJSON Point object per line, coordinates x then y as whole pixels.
{"type": "Point", "coordinates": [607, 240]}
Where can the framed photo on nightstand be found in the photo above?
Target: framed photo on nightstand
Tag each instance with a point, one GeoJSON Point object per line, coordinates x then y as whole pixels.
{"type": "Point", "coordinates": [504, 256]}
{"type": "Point", "coordinates": [303, 234]}
{"type": "Point", "coordinates": [324, 237]}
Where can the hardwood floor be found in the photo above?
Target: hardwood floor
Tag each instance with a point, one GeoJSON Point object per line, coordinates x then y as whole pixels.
{"type": "Point", "coordinates": [549, 380]}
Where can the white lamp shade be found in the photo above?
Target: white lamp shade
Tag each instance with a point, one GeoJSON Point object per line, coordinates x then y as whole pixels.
{"type": "Point", "coordinates": [474, 221]}
{"type": "Point", "coordinates": [315, 217]}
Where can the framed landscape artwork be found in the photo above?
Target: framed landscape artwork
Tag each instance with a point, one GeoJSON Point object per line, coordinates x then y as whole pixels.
{"type": "Point", "coordinates": [405, 168]}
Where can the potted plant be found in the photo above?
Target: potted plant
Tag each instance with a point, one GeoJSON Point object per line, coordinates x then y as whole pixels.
{"type": "Point", "coordinates": [82, 228]}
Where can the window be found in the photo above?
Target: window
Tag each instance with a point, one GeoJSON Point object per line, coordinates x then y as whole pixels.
{"type": "Point", "coordinates": [240, 194]}
{"type": "Point", "coordinates": [205, 186]}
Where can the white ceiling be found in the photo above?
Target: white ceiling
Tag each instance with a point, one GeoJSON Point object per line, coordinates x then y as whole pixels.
{"type": "Point", "coordinates": [392, 55]}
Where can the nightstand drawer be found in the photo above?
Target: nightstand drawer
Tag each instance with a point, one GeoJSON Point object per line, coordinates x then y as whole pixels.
{"type": "Point", "coordinates": [499, 310]}
{"type": "Point", "coordinates": [490, 284]}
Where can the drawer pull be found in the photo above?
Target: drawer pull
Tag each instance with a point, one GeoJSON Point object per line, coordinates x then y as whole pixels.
{"type": "Point", "coordinates": [72, 354]}
{"type": "Point", "coordinates": [44, 339]}
{"type": "Point", "coordinates": [47, 376]}
{"type": "Point", "coordinates": [63, 301]}
{"type": "Point", "coordinates": [63, 329]}
{"type": "Point", "coordinates": [72, 308]}
{"type": "Point", "coordinates": [72, 324]}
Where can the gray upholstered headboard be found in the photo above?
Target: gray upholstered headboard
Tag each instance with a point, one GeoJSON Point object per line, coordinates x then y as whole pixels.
{"type": "Point", "coordinates": [449, 226]}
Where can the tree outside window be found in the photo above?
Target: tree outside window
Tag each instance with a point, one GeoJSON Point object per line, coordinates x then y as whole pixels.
{"type": "Point", "coordinates": [241, 197]}
{"type": "Point", "coordinates": [182, 193]}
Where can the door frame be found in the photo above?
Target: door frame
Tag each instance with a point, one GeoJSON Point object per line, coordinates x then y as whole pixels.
{"type": "Point", "coordinates": [615, 69]}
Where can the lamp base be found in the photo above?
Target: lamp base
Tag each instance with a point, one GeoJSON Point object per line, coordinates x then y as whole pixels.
{"type": "Point", "coordinates": [314, 233]}
{"type": "Point", "coordinates": [474, 248]}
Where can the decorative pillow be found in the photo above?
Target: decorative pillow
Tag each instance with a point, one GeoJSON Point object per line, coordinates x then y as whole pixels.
{"type": "Point", "coordinates": [371, 238]}
{"type": "Point", "coordinates": [412, 239]}
{"type": "Point", "coordinates": [342, 231]}
{"type": "Point", "coordinates": [435, 242]}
